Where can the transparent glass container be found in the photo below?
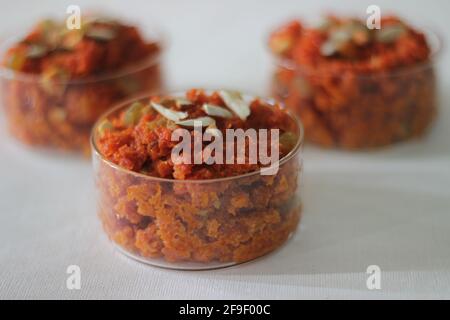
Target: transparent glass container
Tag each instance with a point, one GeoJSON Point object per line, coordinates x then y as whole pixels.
{"type": "Point", "coordinates": [198, 224]}
{"type": "Point", "coordinates": [352, 110]}
{"type": "Point", "coordinates": [60, 114]}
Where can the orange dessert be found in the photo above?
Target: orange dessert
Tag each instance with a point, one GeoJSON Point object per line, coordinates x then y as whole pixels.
{"type": "Point", "coordinates": [159, 210]}
{"type": "Point", "coordinates": [356, 88]}
{"type": "Point", "coordinates": [56, 82]}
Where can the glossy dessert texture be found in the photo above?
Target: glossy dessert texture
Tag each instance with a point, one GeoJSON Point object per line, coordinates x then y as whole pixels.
{"type": "Point", "coordinates": [56, 82]}
{"type": "Point", "coordinates": [353, 87]}
{"type": "Point", "coordinates": [207, 213]}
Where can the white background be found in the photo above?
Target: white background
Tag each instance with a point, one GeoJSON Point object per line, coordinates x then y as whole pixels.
{"type": "Point", "coordinates": [389, 207]}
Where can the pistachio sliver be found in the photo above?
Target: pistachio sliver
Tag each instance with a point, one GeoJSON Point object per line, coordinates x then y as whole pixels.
{"type": "Point", "coordinates": [54, 81]}
{"type": "Point", "coordinates": [103, 126]}
{"type": "Point", "coordinates": [133, 114]}
{"type": "Point", "coordinates": [129, 85]}
{"type": "Point", "coordinates": [146, 110]}
{"type": "Point", "coordinates": [288, 140]}
{"type": "Point", "coordinates": [100, 33]}
{"type": "Point", "coordinates": [36, 51]}
{"type": "Point", "coordinates": [235, 102]}
{"type": "Point", "coordinates": [169, 113]}
{"type": "Point", "coordinates": [216, 111]}
{"type": "Point", "coordinates": [202, 121]}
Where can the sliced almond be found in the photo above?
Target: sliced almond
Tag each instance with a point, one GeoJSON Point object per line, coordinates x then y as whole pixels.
{"type": "Point", "coordinates": [213, 130]}
{"type": "Point", "coordinates": [180, 101]}
{"type": "Point", "coordinates": [99, 20]}
{"type": "Point", "coordinates": [390, 33]}
{"type": "Point", "coordinates": [336, 41]}
{"type": "Point", "coordinates": [203, 121]}
{"type": "Point", "coordinates": [216, 111]}
{"type": "Point", "coordinates": [169, 113]}
{"type": "Point", "coordinates": [323, 24]}
{"type": "Point", "coordinates": [235, 102]}
{"type": "Point", "coordinates": [328, 49]}
{"type": "Point", "coordinates": [341, 35]}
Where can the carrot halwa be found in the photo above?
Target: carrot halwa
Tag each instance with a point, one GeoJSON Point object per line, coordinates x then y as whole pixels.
{"type": "Point", "coordinates": [56, 82]}
{"type": "Point", "coordinates": [354, 87]}
{"type": "Point", "coordinates": [180, 212]}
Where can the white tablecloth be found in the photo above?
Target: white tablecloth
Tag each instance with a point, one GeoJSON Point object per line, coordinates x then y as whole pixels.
{"type": "Point", "coordinates": [389, 208]}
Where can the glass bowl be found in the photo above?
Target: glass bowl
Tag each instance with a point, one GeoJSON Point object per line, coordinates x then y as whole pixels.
{"type": "Point", "coordinates": [197, 224]}
{"type": "Point", "coordinates": [353, 110]}
{"type": "Point", "coordinates": [60, 114]}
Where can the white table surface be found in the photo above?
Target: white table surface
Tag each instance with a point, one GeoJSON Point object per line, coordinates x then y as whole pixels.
{"type": "Point", "coordinates": [390, 208]}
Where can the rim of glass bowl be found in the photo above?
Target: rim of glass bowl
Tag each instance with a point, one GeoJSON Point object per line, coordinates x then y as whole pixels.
{"type": "Point", "coordinates": [152, 34]}
{"type": "Point", "coordinates": [270, 101]}
{"type": "Point", "coordinates": [434, 40]}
